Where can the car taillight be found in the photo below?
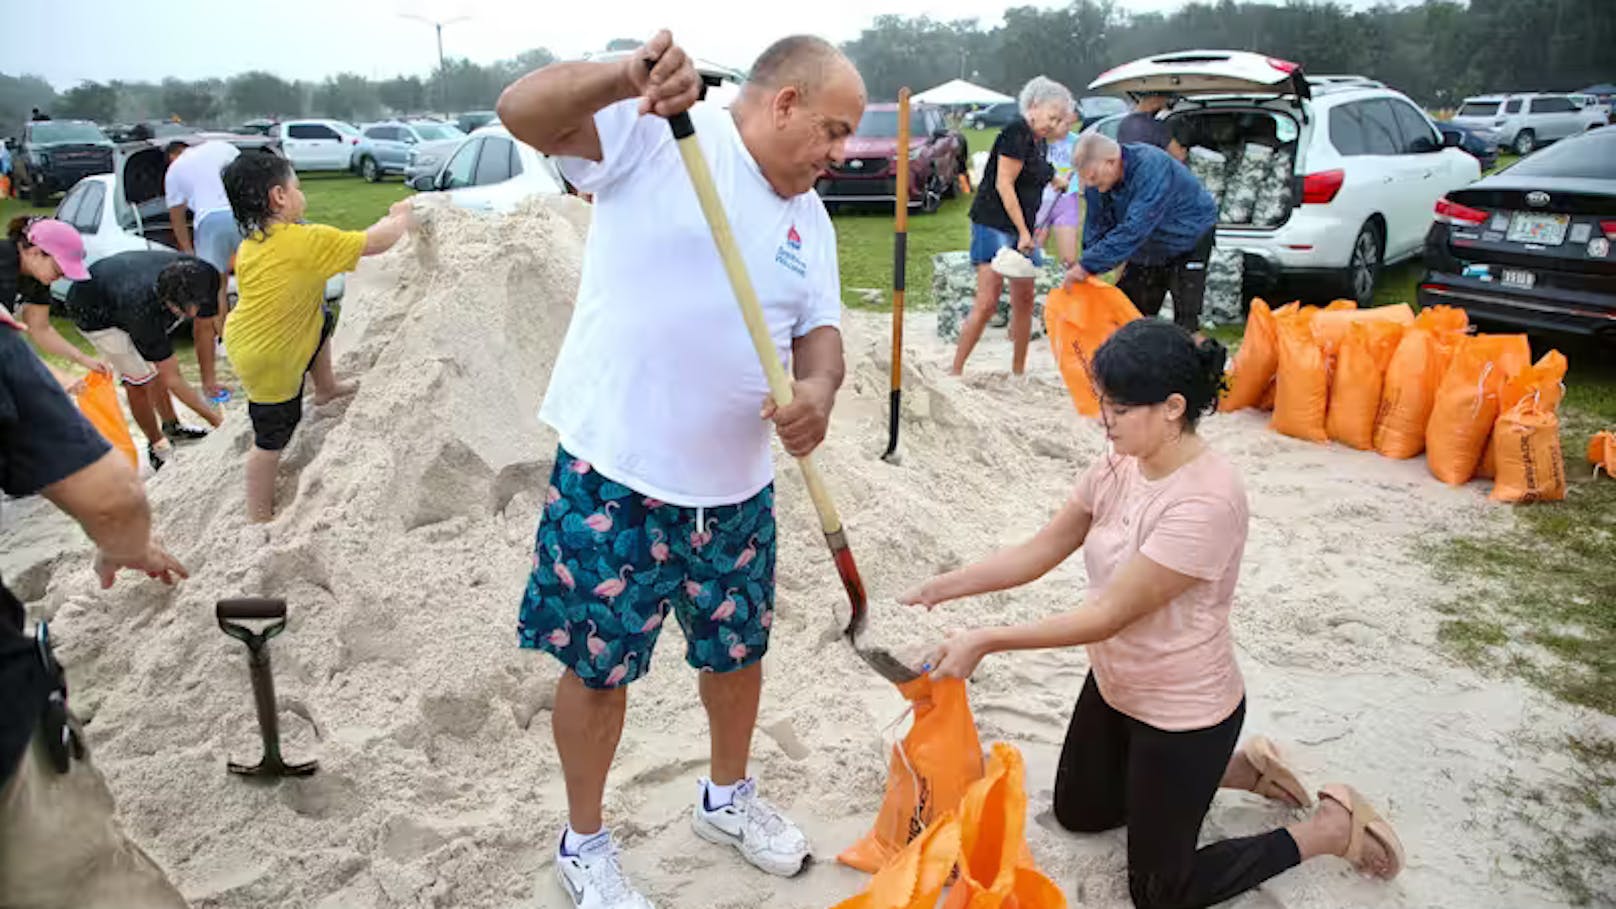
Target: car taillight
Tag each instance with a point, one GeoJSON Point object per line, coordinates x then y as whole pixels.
{"type": "Point", "coordinates": [1609, 227]}
{"type": "Point", "coordinates": [1284, 66]}
{"type": "Point", "coordinates": [1451, 212]}
{"type": "Point", "coordinates": [1319, 188]}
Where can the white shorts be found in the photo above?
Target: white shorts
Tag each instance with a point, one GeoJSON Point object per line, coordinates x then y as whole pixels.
{"type": "Point", "coordinates": [116, 347]}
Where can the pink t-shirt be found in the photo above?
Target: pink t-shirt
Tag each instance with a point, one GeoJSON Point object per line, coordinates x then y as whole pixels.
{"type": "Point", "coordinates": [1174, 668]}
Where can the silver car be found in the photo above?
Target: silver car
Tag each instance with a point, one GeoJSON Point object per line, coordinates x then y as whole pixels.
{"type": "Point", "coordinates": [1522, 122]}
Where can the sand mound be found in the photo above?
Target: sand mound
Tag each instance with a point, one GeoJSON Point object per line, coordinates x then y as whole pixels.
{"type": "Point", "coordinates": [403, 542]}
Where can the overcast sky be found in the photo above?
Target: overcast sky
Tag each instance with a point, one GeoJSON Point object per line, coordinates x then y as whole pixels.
{"type": "Point", "coordinates": [311, 39]}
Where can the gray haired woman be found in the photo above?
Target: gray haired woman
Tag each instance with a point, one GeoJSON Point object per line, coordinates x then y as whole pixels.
{"type": "Point", "coordinates": [1005, 208]}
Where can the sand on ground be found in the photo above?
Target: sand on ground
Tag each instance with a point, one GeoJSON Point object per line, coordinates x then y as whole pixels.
{"type": "Point", "coordinates": [404, 539]}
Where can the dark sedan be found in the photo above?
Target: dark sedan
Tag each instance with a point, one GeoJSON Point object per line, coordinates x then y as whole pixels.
{"type": "Point", "coordinates": [1481, 147]}
{"type": "Point", "coordinates": [1531, 246]}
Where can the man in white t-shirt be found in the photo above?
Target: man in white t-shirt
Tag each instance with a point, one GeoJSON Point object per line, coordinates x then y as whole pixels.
{"type": "Point", "coordinates": [662, 495]}
{"type": "Point", "coordinates": [194, 183]}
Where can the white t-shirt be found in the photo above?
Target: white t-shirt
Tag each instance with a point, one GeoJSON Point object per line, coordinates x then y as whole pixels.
{"type": "Point", "coordinates": [657, 384]}
{"type": "Point", "coordinates": [193, 179]}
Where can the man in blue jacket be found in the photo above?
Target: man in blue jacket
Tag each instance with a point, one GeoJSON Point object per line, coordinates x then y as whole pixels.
{"type": "Point", "coordinates": [1147, 210]}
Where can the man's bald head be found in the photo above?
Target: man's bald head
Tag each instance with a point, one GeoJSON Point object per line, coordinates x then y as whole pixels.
{"type": "Point", "coordinates": [799, 105]}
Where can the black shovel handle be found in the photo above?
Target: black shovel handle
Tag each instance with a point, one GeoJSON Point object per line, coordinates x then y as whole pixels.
{"type": "Point", "coordinates": [251, 608]}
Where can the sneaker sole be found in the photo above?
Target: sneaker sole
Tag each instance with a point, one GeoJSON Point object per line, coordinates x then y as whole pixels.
{"type": "Point", "coordinates": [712, 834]}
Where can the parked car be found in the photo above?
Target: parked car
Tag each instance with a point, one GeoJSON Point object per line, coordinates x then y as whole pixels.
{"type": "Point", "coordinates": [491, 171]}
{"type": "Point", "coordinates": [1106, 126]}
{"type": "Point", "coordinates": [1531, 246]}
{"type": "Point", "coordinates": [869, 172]}
{"type": "Point", "coordinates": [994, 116]}
{"type": "Point", "coordinates": [1094, 108]}
{"type": "Point", "coordinates": [317, 144]}
{"type": "Point", "coordinates": [1479, 144]}
{"type": "Point", "coordinates": [388, 147]}
{"type": "Point", "coordinates": [1525, 121]}
{"type": "Point", "coordinates": [473, 120]}
{"type": "Point", "coordinates": [126, 208]}
{"type": "Point", "coordinates": [260, 127]}
{"type": "Point", "coordinates": [1368, 164]}
{"type": "Point", "coordinates": [55, 154]}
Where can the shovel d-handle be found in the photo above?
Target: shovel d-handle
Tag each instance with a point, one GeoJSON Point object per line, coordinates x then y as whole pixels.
{"type": "Point", "coordinates": [230, 613]}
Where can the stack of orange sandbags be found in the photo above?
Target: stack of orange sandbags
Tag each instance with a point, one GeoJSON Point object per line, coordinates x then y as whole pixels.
{"type": "Point", "coordinates": [1416, 368]}
{"type": "Point", "coordinates": [1528, 463]}
{"type": "Point", "coordinates": [1251, 376]}
{"type": "Point", "coordinates": [1602, 452]}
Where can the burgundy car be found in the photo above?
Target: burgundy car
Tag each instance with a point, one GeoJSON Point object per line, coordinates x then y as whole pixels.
{"type": "Point", "coordinates": [869, 172]}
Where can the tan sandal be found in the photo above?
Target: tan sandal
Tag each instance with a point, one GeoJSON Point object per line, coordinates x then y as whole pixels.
{"type": "Point", "coordinates": [1366, 820]}
{"type": "Point", "coordinates": [1275, 780]}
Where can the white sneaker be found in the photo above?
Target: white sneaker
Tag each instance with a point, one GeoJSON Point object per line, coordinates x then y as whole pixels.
{"type": "Point", "coordinates": [757, 829]}
{"type": "Point", "coordinates": [594, 878]}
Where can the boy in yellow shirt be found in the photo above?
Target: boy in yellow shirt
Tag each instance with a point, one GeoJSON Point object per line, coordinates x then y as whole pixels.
{"type": "Point", "coordinates": [280, 329]}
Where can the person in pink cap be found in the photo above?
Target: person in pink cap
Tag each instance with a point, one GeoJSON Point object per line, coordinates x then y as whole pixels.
{"type": "Point", "coordinates": [35, 252]}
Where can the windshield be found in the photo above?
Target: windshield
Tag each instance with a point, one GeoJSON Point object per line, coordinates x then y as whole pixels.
{"type": "Point", "coordinates": [878, 124]}
{"type": "Point", "coordinates": [1478, 109]}
{"type": "Point", "coordinates": [61, 132]}
{"type": "Point", "coordinates": [434, 132]}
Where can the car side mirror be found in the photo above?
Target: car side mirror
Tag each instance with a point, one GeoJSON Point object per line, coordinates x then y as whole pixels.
{"type": "Point", "coordinates": [1452, 140]}
{"type": "Point", "coordinates": [11, 144]}
{"type": "Point", "coordinates": [424, 183]}
{"type": "Point", "coordinates": [410, 140]}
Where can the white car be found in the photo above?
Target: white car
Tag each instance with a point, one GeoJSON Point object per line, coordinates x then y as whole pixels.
{"type": "Point", "coordinates": [491, 171]}
{"type": "Point", "coordinates": [1368, 164]}
{"type": "Point", "coordinates": [1523, 122]}
{"type": "Point", "coordinates": [317, 144]}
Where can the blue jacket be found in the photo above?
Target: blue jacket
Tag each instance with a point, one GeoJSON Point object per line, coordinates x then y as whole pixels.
{"type": "Point", "coordinates": [1156, 212]}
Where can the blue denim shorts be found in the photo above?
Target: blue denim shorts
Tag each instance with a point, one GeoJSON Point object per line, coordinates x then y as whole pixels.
{"type": "Point", "coordinates": [987, 241]}
{"type": "Point", "coordinates": [217, 236]}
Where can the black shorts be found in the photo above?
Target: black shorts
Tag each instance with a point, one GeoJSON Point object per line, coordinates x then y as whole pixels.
{"type": "Point", "coordinates": [273, 424]}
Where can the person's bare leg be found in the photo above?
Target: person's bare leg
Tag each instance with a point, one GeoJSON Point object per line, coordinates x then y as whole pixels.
{"type": "Point", "coordinates": [731, 699]}
{"type": "Point", "coordinates": [261, 468]}
{"type": "Point", "coordinates": [203, 332]}
{"type": "Point", "coordinates": [140, 407]}
{"type": "Point", "coordinates": [326, 386]}
{"type": "Point", "coordinates": [188, 396]}
{"type": "Point", "coordinates": [1327, 832]}
{"type": "Point", "coordinates": [162, 402]}
{"type": "Point", "coordinates": [988, 285]}
{"type": "Point", "coordinates": [1066, 245]}
{"type": "Point", "coordinates": [1021, 290]}
{"type": "Point", "coordinates": [587, 724]}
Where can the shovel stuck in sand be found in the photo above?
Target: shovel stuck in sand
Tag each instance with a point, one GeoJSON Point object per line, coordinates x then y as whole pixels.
{"type": "Point", "coordinates": [883, 662]}
{"type": "Point", "coordinates": [231, 613]}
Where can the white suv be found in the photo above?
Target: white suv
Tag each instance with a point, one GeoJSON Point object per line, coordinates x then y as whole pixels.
{"type": "Point", "coordinates": [1358, 166]}
{"type": "Point", "coordinates": [1523, 122]}
{"type": "Point", "coordinates": [317, 144]}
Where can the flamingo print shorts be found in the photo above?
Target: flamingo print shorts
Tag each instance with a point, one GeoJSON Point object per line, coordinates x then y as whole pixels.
{"type": "Point", "coordinates": [610, 564]}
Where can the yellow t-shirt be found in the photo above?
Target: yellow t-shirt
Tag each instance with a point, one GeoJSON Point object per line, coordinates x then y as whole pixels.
{"type": "Point", "coordinates": [274, 330]}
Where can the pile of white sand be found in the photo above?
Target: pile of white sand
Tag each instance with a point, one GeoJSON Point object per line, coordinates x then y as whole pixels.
{"type": "Point", "coordinates": [403, 542]}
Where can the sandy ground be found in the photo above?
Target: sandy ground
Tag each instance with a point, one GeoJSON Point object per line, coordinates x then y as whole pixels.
{"type": "Point", "coordinates": [403, 542]}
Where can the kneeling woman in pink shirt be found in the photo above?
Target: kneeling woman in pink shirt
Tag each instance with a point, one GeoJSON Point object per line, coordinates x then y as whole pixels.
{"type": "Point", "coordinates": [1162, 524]}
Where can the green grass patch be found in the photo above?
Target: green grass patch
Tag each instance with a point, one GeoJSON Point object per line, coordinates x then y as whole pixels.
{"type": "Point", "coordinates": [347, 202]}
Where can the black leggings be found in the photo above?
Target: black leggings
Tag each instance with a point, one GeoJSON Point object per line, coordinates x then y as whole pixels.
{"type": "Point", "coordinates": [1184, 276]}
{"type": "Point", "coordinates": [1116, 771]}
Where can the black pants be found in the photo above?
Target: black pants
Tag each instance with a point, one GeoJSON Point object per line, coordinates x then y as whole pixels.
{"type": "Point", "coordinates": [1116, 771]}
{"type": "Point", "coordinates": [1185, 276]}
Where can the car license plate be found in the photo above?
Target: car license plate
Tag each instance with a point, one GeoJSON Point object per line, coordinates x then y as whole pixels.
{"type": "Point", "coordinates": [1542, 229]}
{"type": "Point", "coordinates": [1515, 277]}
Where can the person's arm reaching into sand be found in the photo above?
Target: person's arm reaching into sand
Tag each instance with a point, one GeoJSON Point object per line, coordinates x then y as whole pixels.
{"type": "Point", "coordinates": [553, 109]}
{"type": "Point", "coordinates": [381, 236]}
{"type": "Point", "coordinates": [108, 501]}
{"type": "Point", "coordinates": [1020, 564]}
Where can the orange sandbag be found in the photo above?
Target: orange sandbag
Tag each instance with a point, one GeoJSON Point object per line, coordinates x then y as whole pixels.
{"type": "Point", "coordinates": [1079, 319]}
{"type": "Point", "coordinates": [1257, 361]}
{"type": "Point", "coordinates": [996, 867]}
{"type": "Point", "coordinates": [1602, 452]}
{"type": "Point", "coordinates": [98, 401]}
{"type": "Point", "coordinates": [1466, 405]}
{"type": "Point", "coordinates": [929, 772]}
{"type": "Point", "coordinates": [916, 877]}
{"type": "Point", "coordinates": [1360, 368]}
{"type": "Point", "coordinates": [1303, 382]}
{"type": "Point", "coordinates": [1412, 378]}
{"type": "Point", "coordinates": [1543, 380]}
{"type": "Point", "coordinates": [1330, 326]}
{"type": "Point", "coordinates": [1531, 467]}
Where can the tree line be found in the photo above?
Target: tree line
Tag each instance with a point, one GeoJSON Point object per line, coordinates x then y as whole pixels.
{"type": "Point", "coordinates": [1437, 52]}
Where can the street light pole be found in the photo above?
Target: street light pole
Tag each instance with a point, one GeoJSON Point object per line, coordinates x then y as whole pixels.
{"type": "Point", "coordinates": [437, 25]}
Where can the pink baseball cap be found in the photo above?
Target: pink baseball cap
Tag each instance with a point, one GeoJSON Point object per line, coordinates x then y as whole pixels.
{"type": "Point", "coordinates": [61, 242]}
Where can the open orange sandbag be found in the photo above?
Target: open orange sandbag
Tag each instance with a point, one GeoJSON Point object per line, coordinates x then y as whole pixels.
{"type": "Point", "coordinates": [1412, 376]}
{"type": "Point", "coordinates": [916, 877]}
{"type": "Point", "coordinates": [1543, 379]}
{"type": "Point", "coordinates": [1360, 368]}
{"type": "Point", "coordinates": [1303, 381]}
{"type": "Point", "coordinates": [928, 774]}
{"type": "Point", "coordinates": [1467, 403]}
{"type": "Point", "coordinates": [1602, 452]}
{"type": "Point", "coordinates": [1257, 360]}
{"type": "Point", "coordinates": [1330, 326]}
{"type": "Point", "coordinates": [98, 401]}
{"type": "Point", "coordinates": [1079, 318]}
{"type": "Point", "coordinates": [1531, 467]}
{"type": "Point", "coordinates": [996, 867]}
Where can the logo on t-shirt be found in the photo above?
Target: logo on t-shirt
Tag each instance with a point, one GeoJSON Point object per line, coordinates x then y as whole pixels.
{"type": "Point", "coordinates": [787, 253]}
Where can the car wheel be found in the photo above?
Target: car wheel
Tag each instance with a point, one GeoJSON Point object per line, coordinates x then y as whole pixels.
{"type": "Point", "coordinates": [369, 170]}
{"type": "Point", "coordinates": [1363, 268]}
{"type": "Point", "coordinates": [1525, 142]}
{"type": "Point", "coordinates": [38, 194]}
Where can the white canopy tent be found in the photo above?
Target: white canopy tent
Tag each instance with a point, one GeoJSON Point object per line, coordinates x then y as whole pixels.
{"type": "Point", "coordinates": [958, 91]}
